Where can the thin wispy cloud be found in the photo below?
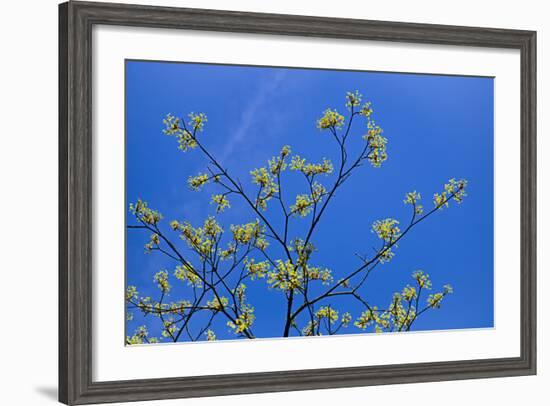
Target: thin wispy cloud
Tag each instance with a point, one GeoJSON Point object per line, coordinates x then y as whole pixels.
{"type": "Point", "coordinates": [251, 113]}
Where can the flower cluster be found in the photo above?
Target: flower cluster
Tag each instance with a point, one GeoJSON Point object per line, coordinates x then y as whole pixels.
{"type": "Point", "coordinates": [246, 317]}
{"type": "Point", "coordinates": [317, 192]}
{"type": "Point", "coordinates": [197, 121]}
{"type": "Point", "coordinates": [315, 273]}
{"type": "Point", "coordinates": [229, 251]}
{"type": "Point", "coordinates": [310, 273]}
{"type": "Point", "coordinates": [277, 164]}
{"type": "Point", "coordinates": [161, 278]}
{"type": "Point", "coordinates": [422, 279]}
{"type": "Point", "coordinates": [131, 293]}
{"type": "Point", "coordinates": [261, 177]}
{"type": "Point", "coordinates": [169, 328]}
{"type": "Point", "coordinates": [302, 206]}
{"type": "Point", "coordinates": [326, 312]}
{"type": "Point", "coordinates": [328, 316]}
{"type": "Point", "coordinates": [353, 99]}
{"type": "Point", "coordinates": [201, 239]}
{"type": "Point", "coordinates": [257, 269]}
{"type": "Point", "coordinates": [434, 300]}
{"type": "Point", "coordinates": [198, 181]}
{"type": "Point", "coordinates": [144, 213]}
{"type": "Point", "coordinates": [184, 137]}
{"type": "Point", "coordinates": [140, 336]}
{"type": "Point", "coordinates": [217, 304]}
{"type": "Point", "coordinates": [413, 198]}
{"type": "Point", "coordinates": [244, 321]}
{"type": "Point", "coordinates": [221, 202]}
{"type": "Point", "coordinates": [285, 276]}
{"type": "Point", "coordinates": [400, 311]}
{"type": "Point", "coordinates": [154, 242]}
{"type": "Point", "coordinates": [386, 254]}
{"type": "Point", "coordinates": [249, 233]}
{"type": "Point", "coordinates": [187, 273]}
{"type": "Point", "coordinates": [330, 119]}
{"type": "Point", "coordinates": [409, 293]}
{"type": "Point", "coordinates": [367, 318]}
{"type": "Point", "coordinates": [453, 189]}
{"type": "Point", "coordinates": [303, 251]}
{"type": "Point", "coordinates": [311, 169]}
{"type": "Point", "coordinates": [268, 187]}
{"type": "Point", "coordinates": [210, 335]}
{"type": "Point", "coordinates": [377, 144]}
{"type": "Point", "coordinates": [386, 229]}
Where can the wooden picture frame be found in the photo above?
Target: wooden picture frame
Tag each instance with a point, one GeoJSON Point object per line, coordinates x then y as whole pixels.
{"type": "Point", "coordinates": [76, 20]}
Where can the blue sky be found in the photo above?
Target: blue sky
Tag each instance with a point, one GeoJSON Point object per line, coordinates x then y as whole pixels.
{"type": "Point", "coordinates": [438, 127]}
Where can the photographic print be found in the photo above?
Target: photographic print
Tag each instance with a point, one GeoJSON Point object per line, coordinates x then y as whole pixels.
{"type": "Point", "coordinates": [271, 202]}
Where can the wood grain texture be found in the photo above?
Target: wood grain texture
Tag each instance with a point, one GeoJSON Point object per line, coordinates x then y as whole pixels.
{"type": "Point", "coordinates": [75, 202]}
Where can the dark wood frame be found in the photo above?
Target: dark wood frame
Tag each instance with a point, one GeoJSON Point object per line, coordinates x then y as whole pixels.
{"type": "Point", "coordinates": [75, 203]}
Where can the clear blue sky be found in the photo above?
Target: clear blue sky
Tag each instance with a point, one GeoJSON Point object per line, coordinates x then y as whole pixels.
{"type": "Point", "coordinates": [438, 127]}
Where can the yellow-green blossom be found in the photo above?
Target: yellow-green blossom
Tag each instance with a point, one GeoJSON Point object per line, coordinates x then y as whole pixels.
{"type": "Point", "coordinates": [353, 99]}
{"type": "Point", "coordinates": [455, 189]}
{"type": "Point", "coordinates": [246, 233]}
{"type": "Point", "coordinates": [198, 181]}
{"type": "Point", "coordinates": [257, 269]}
{"type": "Point", "coordinates": [202, 239]}
{"type": "Point", "coordinates": [285, 151]}
{"type": "Point", "coordinates": [330, 119]}
{"type": "Point", "coordinates": [244, 321]}
{"type": "Point", "coordinates": [139, 336]}
{"type": "Point", "coordinates": [302, 206]}
{"type": "Point", "coordinates": [367, 318]}
{"type": "Point", "coordinates": [386, 229]}
{"type": "Point", "coordinates": [447, 289]}
{"type": "Point", "coordinates": [409, 292]}
{"type": "Point", "coordinates": [221, 202]}
{"type": "Point", "coordinates": [285, 276]}
{"type": "Point", "coordinates": [318, 191]}
{"type": "Point", "coordinates": [210, 336]}
{"type": "Point", "coordinates": [311, 169]}
{"type": "Point", "coordinates": [216, 304]}
{"type": "Point", "coordinates": [169, 328]}
{"type": "Point", "coordinates": [154, 241]}
{"type": "Point", "coordinates": [173, 128]}
{"type": "Point", "coordinates": [422, 279]}
{"type": "Point", "coordinates": [413, 198]}
{"type": "Point", "coordinates": [144, 213]}
{"type": "Point", "coordinates": [434, 300]}
{"type": "Point", "coordinates": [297, 163]}
{"type": "Point", "coordinates": [187, 273]}
{"type": "Point", "coordinates": [315, 273]}
{"type": "Point", "coordinates": [197, 121]}
{"type": "Point", "coordinates": [326, 312]}
{"type": "Point", "coordinates": [229, 251]}
{"type": "Point", "coordinates": [131, 293]}
{"type": "Point", "coordinates": [161, 278]}
{"type": "Point", "coordinates": [268, 187]}
{"type": "Point", "coordinates": [346, 319]}
{"type": "Point", "coordinates": [278, 164]}
{"type": "Point", "coordinates": [366, 110]}
{"type": "Point", "coordinates": [386, 255]}
{"type": "Point", "coordinates": [377, 144]}
{"type": "Point", "coordinates": [261, 177]}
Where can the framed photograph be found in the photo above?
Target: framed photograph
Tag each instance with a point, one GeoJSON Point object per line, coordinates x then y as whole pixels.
{"type": "Point", "coordinates": [259, 202]}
